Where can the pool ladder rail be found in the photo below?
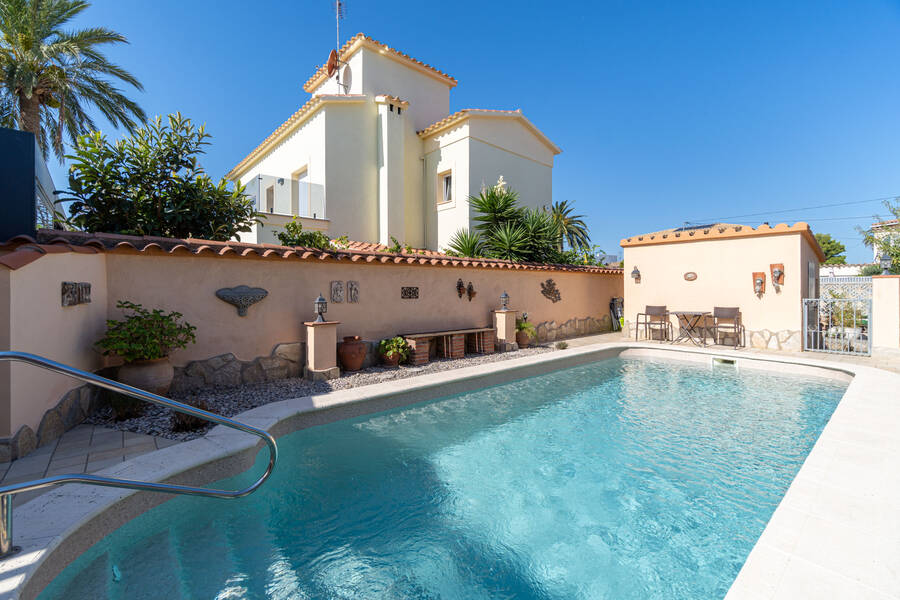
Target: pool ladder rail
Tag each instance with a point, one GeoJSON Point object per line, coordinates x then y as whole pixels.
{"type": "Point", "coordinates": [7, 491]}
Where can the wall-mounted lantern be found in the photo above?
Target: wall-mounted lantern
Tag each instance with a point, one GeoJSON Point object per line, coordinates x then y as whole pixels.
{"type": "Point", "coordinates": [759, 283]}
{"type": "Point", "coordinates": [886, 263]}
{"type": "Point", "coordinates": [636, 275]}
{"type": "Point", "coordinates": [504, 301]}
{"type": "Point", "coordinates": [321, 308]}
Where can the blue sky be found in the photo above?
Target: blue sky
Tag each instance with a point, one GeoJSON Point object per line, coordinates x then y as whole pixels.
{"type": "Point", "coordinates": [666, 111]}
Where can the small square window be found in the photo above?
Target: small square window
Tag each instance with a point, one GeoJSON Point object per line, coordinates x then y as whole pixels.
{"type": "Point", "coordinates": [446, 193]}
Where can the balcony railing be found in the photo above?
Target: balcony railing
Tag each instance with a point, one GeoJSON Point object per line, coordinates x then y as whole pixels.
{"type": "Point", "coordinates": [285, 196]}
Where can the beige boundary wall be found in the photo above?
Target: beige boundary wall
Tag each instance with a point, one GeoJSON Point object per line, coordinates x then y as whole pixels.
{"type": "Point", "coordinates": [724, 263]}
{"type": "Point", "coordinates": [886, 311]}
{"type": "Point", "coordinates": [33, 319]}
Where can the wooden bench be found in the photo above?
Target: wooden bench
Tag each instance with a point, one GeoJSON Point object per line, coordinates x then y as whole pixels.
{"type": "Point", "coordinates": [450, 344]}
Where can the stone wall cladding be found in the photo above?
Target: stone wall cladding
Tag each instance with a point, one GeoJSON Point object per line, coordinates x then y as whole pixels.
{"type": "Point", "coordinates": [226, 370]}
{"type": "Point", "coordinates": [550, 331]}
{"type": "Point", "coordinates": [71, 410]}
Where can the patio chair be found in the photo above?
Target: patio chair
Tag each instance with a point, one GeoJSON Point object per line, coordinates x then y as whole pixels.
{"type": "Point", "coordinates": [727, 323]}
{"type": "Point", "coordinates": [654, 318]}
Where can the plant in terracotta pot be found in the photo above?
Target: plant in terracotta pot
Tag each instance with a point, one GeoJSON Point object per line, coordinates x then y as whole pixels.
{"type": "Point", "coordinates": [393, 351]}
{"type": "Point", "coordinates": [525, 333]}
{"type": "Point", "coordinates": [352, 352]}
{"type": "Point", "coordinates": [144, 339]}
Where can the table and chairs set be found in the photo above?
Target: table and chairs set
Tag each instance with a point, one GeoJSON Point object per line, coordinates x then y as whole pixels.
{"type": "Point", "coordinates": [720, 324]}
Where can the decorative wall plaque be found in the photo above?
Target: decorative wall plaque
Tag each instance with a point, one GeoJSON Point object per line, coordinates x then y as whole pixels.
{"type": "Point", "coordinates": [460, 288]}
{"type": "Point", "coordinates": [409, 293]}
{"type": "Point", "coordinates": [75, 293]}
{"type": "Point", "coordinates": [549, 290]}
{"type": "Point", "coordinates": [242, 297]}
{"type": "Point", "coordinates": [337, 291]}
{"type": "Point", "coordinates": [470, 291]}
{"type": "Point", "coordinates": [690, 276]}
{"type": "Point", "coordinates": [352, 292]}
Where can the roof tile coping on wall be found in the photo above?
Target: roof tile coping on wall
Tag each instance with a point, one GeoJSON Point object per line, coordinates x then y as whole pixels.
{"type": "Point", "coordinates": [722, 231]}
{"type": "Point", "coordinates": [362, 40]}
{"type": "Point", "coordinates": [21, 250]}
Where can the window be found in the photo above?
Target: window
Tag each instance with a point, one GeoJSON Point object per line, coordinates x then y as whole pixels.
{"type": "Point", "coordinates": [446, 191]}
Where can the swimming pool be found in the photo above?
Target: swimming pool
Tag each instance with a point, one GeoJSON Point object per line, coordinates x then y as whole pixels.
{"type": "Point", "coordinates": [623, 478]}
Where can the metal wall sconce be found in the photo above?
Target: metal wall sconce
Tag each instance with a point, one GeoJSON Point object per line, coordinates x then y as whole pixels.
{"type": "Point", "coordinates": [759, 283]}
{"type": "Point", "coordinates": [504, 301]}
{"type": "Point", "coordinates": [636, 275]}
{"type": "Point", "coordinates": [460, 288]}
{"type": "Point", "coordinates": [470, 291]}
{"type": "Point", "coordinates": [321, 308]}
{"type": "Point", "coordinates": [281, 181]}
{"type": "Point", "coordinates": [886, 262]}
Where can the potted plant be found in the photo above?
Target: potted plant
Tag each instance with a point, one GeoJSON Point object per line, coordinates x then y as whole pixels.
{"type": "Point", "coordinates": [525, 333]}
{"type": "Point", "coordinates": [393, 350]}
{"type": "Point", "coordinates": [144, 340]}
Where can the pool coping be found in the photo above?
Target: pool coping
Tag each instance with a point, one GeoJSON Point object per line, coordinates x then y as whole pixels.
{"type": "Point", "coordinates": [836, 531]}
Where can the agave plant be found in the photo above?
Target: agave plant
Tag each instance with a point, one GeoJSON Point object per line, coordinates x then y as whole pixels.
{"type": "Point", "coordinates": [467, 243]}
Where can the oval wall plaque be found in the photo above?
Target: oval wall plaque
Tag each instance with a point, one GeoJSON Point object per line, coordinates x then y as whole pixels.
{"type": "Point", "coordinates": [690, 276]}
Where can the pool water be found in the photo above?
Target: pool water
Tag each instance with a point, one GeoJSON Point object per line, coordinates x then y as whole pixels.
{"type": "Point", "coordinates": [618, 479]}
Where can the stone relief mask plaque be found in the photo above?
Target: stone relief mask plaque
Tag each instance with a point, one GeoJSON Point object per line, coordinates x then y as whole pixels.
{"type": "Point", "coordinates": [74, 293]}
{"type": "Point", "coordinates": [337, 291]}
{"type": "Point", "coordinates": [242, 297]}
{"type": "Point", "coordinates": [353, 292]}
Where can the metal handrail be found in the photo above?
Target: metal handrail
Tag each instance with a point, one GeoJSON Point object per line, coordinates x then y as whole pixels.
{"type": "Point", "coordinates": [7, 491]}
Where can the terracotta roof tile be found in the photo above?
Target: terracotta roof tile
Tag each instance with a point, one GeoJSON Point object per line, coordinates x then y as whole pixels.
{"type": "Point", "coordinates": [27, 250]}
{"type": "Point", "coordinates": [361, 39]}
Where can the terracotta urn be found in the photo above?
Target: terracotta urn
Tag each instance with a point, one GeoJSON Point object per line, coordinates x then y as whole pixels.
{"type": "Point", "coordinates": [352, 353]}
{"type": "Point", "coordinates": [154, 376]}
{"type": "Point", "coordinates": [391, 360]}
{"type": "Point", "coordinates": [523, 339]}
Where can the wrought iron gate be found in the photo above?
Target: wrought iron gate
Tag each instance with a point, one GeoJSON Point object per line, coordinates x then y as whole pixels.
{"type": "Point", "coordinates": [837, 325]}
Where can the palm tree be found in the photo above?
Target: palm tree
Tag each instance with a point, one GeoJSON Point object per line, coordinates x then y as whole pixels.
{"type": "Point", "coordinates": [572, 227]}
{"type": "Point", "coordinates": [50, 76]}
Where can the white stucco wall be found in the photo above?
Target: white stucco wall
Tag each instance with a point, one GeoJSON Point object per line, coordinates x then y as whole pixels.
{"type": "Point", "coordinates": [446, 152]}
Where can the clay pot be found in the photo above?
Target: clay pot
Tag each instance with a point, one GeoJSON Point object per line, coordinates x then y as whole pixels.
{"type": "Point", "coordinates": [391, 360]}
{"type": "Point", "coordinates": [352, 352]}
{"type": "Point", "coordinates": [154, 376]}
{"type": "Point", "coordinates": [523, 339]}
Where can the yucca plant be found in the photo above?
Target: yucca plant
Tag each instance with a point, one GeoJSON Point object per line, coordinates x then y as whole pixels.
{"type": "Point", "coordinates": [466, 243]}
{"type": "Point", "coordinates": [496, 205]}
{"type": "Point", "coordinates": [509, 241]}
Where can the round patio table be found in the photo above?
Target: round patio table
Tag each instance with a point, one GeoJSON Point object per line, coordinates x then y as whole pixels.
{"type": "Point", "coordinates": [692, 326]}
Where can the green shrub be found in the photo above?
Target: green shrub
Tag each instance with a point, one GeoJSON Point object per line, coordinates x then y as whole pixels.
{"type": "Point", "coordinates": [527, 327]}
{"type": "Point", "coordinates": [293, 235]}
{"type": "Point", "coordinates": [394, 345]}
{"type": "Point", "coordinates": [562, 345]}
{"type": "Point", "coordinates": [149, 183]}
{"type": "Point", "coordinates": [144, 334]}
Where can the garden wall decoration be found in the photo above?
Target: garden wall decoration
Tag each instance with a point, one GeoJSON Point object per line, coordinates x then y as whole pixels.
{"type": "Point", "coordinates": [74, 293]}
{"type": "Point", "coordinates": [549, 290]}
{"type": "Point", "coordinates": [352, 292]}
{"type": "Point", "coordinates": [337, 292]}
{"type": "Point", "coordinates": [242, 297]}
{"type": "Point", "coordinates": [409, 293]}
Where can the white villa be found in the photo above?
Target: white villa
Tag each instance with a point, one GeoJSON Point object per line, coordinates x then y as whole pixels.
{"type": "Point", "coordinates": [376, 154]}
{"type": "Point", "coordinates": [884, 230]}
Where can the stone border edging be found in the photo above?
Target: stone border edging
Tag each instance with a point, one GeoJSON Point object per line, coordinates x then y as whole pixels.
{"type": "Point", "coordinates": [59, 525]}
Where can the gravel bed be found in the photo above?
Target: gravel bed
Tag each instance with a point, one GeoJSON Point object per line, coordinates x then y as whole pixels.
{"type": "Point", "coordinates": [229, 401]}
